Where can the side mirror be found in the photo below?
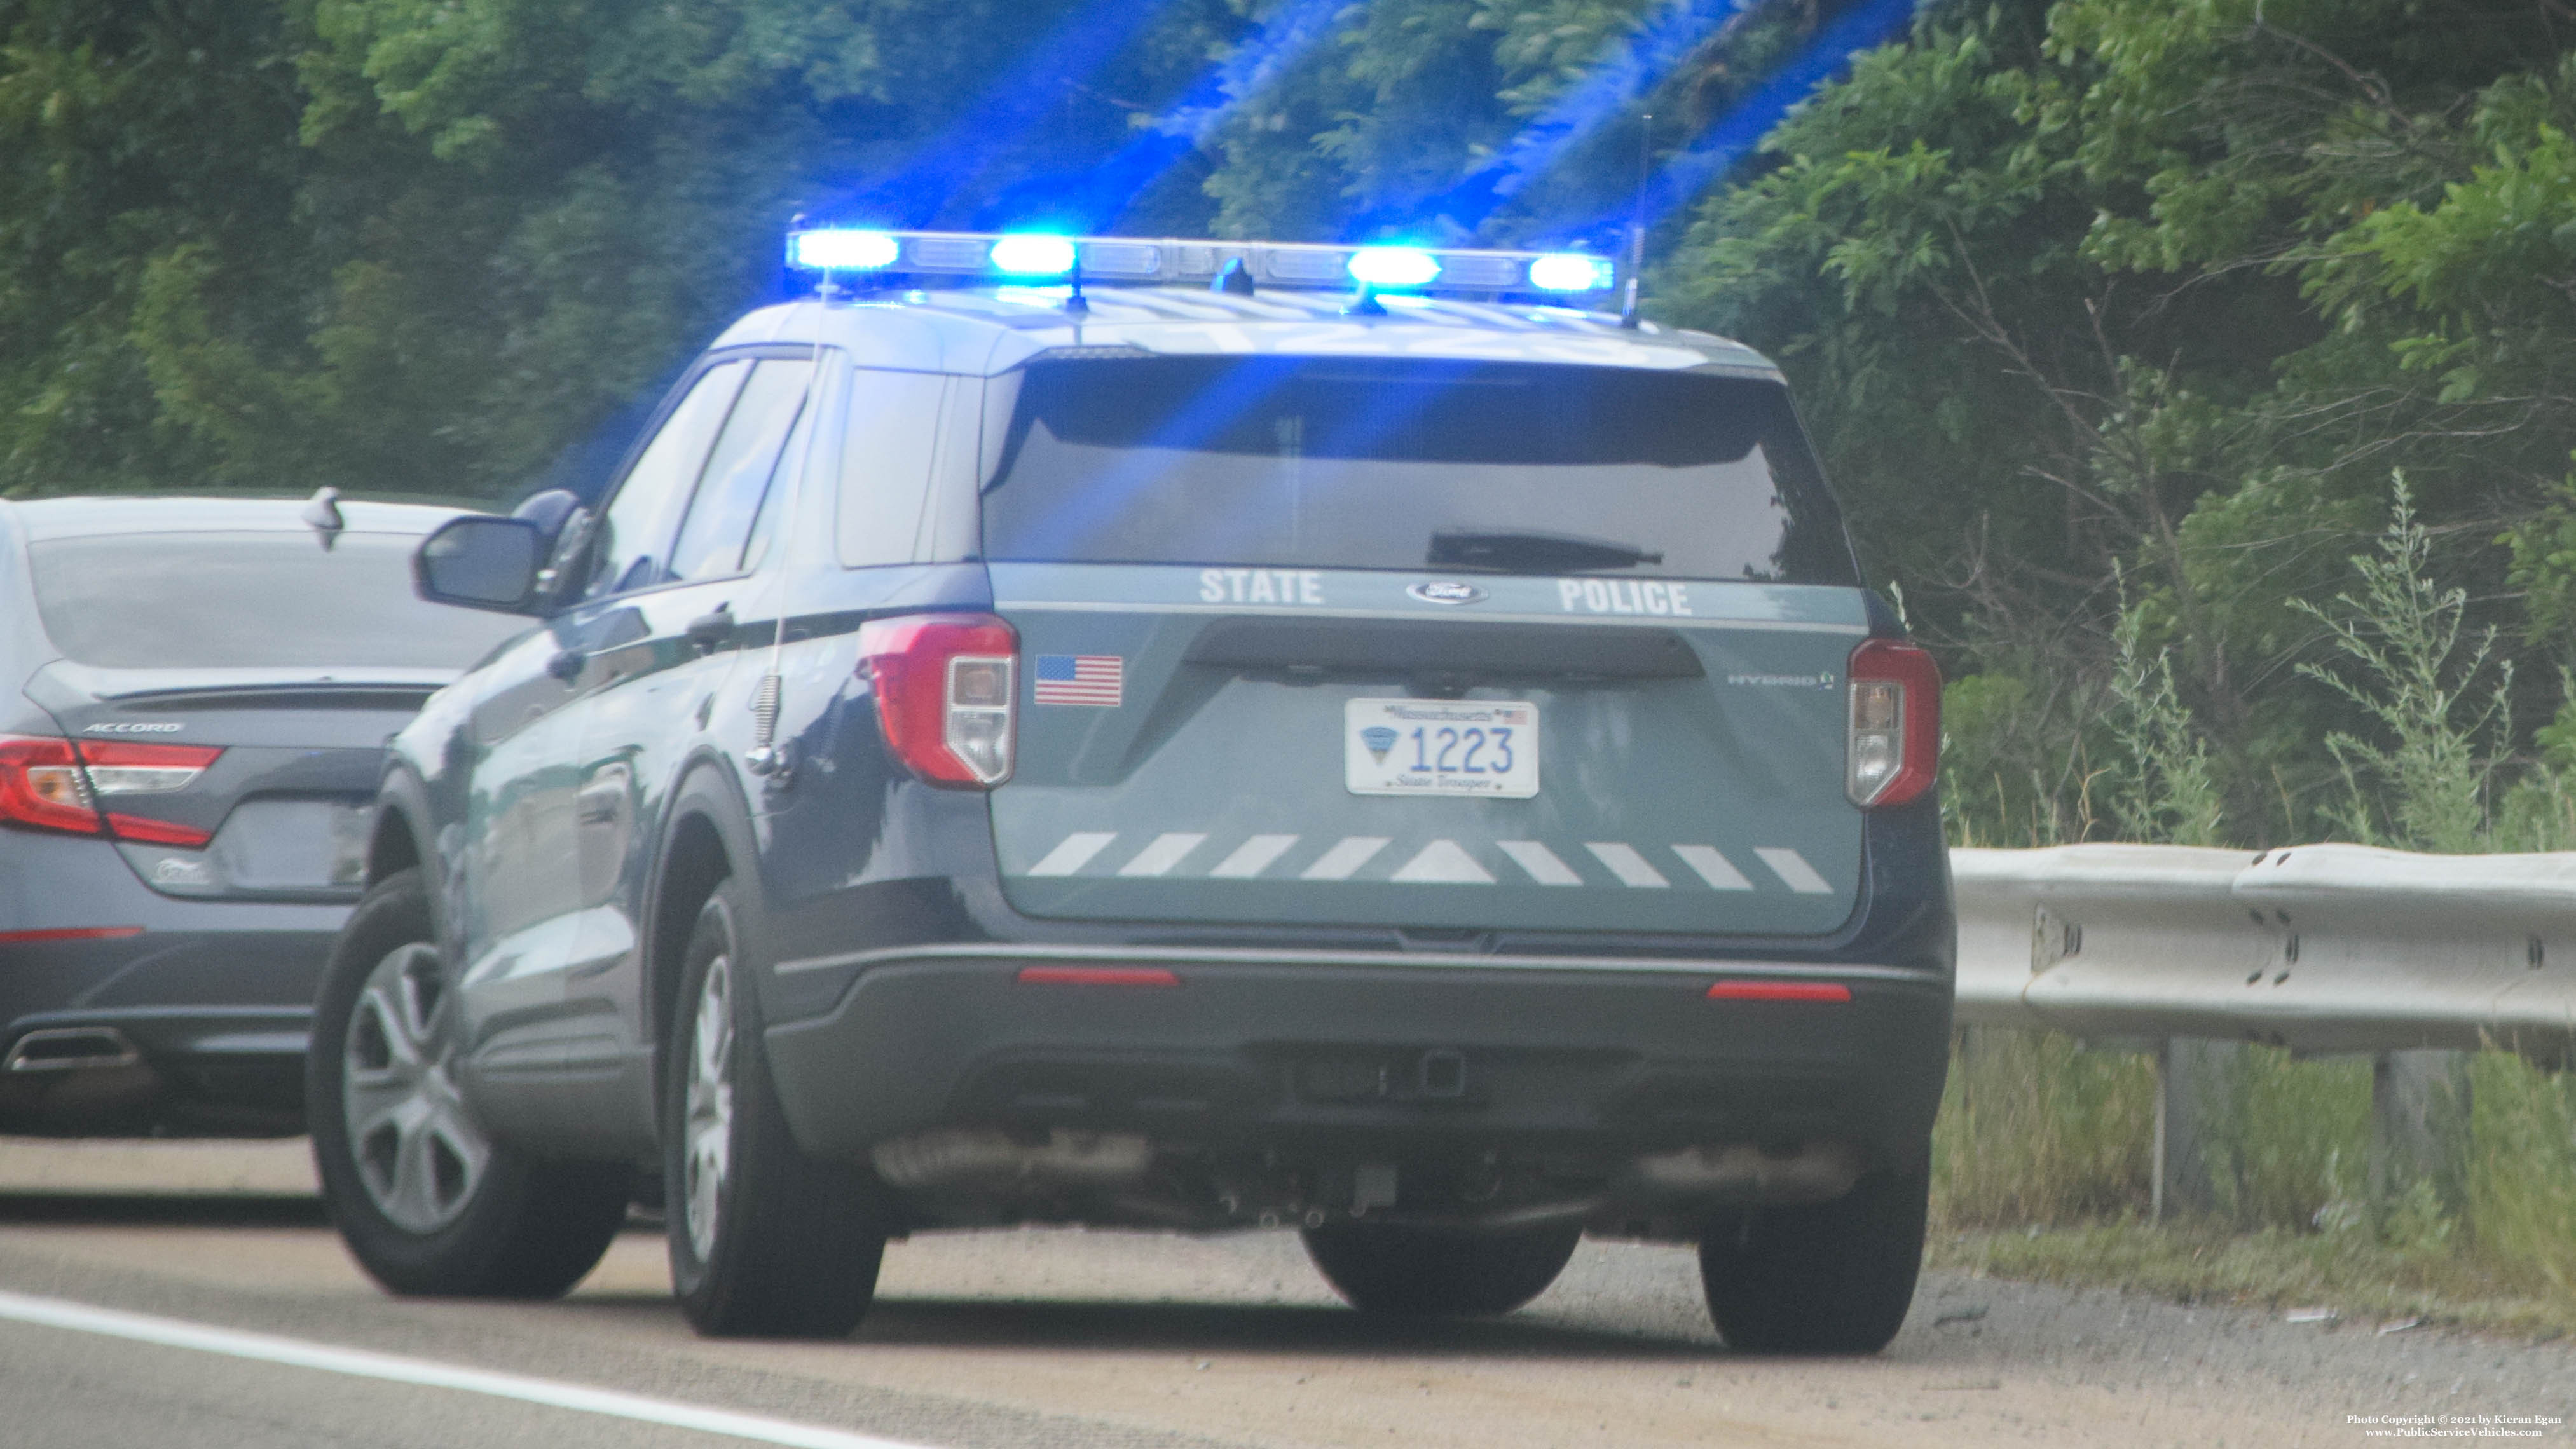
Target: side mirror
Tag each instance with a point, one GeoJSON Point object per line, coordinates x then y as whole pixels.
{"type": "Point", "coordinates": [481, 562]}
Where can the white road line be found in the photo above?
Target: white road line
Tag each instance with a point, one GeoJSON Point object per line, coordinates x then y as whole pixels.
{"type": "Point", "coordinates": [1443, 862]}
{"type": "Point", "coordinates": [1793, 869]}
{"type": "Point", "coordinates": [1540, 862]}
{"type": "Point", "coordinates": [1166, 852]}
{"type": "Point", "coordinates": [358, 1363]}
{"type": "Point", "coordinates": [1347, 855]}
{"type": "Point", "coordinates": [1626, 863]}
{"type": "Point", "coordinates": [1252, 857]}
{"type": "Point", "coordinates": [1073, 852]}
{"type": "Point", "coordinates": [1712, 867]}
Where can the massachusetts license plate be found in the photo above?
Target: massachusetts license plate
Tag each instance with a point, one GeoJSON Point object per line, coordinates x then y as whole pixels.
{"type": "Point", "coordinates": [1432, 747]}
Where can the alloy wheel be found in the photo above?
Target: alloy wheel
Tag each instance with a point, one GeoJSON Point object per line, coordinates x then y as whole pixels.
{"type": "Point", "coordinates": [419, 1151]}
{"type": "Point", "coordinates": [707, 1150]}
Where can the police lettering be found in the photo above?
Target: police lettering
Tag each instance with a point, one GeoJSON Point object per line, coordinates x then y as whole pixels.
{"type": "Point", "coordinates": [1261, 586]}
{"type": "Point", "coordinates": [1622, 596]}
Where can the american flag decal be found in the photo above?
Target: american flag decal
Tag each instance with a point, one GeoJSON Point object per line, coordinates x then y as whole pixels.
{"type": "Point", "coordinates": [1094, 679]}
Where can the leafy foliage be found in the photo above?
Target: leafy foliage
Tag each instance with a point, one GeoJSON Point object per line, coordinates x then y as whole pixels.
{"type": "Point", "coordinates": [2115, 289]}
{"type": "Point", "coordinates": [2111, 316]}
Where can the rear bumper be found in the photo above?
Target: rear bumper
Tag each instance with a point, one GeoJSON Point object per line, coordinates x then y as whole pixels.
{"type": "Point", "coordinates": [1342, 1053]}
{"type": "Point", "coordinates": [213, 999]}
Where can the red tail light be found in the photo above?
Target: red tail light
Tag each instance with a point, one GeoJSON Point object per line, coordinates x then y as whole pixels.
{"type": "Point", "coordinates": [947, 694]}
{"type": "Point", "coordinates": [41, 786]}
{"type": "Point", "coordinates": [56, 784]}
{"type": "Point", "coordinates": [1895, 746]}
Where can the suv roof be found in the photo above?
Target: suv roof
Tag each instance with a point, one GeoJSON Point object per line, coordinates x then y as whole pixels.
{"type": "Point", "coordinates": [987, 330]}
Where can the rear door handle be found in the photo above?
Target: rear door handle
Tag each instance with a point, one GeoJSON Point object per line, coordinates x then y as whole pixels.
{"type": "Point", "coordinates": [566, 665]}
{"type": "Point", "coordinates": [711, 629]}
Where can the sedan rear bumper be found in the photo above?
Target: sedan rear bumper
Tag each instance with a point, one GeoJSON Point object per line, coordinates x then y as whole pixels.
{"type": "Point", "coordinates": [124, 1010]}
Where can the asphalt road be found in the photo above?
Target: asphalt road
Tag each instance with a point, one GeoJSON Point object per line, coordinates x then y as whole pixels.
{"type": "Point", "coordinates": [189, 1296]}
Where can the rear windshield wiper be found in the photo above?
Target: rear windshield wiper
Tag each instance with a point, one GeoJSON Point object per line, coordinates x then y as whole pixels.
{"type": "Point", "coordinates": [1533, 553]}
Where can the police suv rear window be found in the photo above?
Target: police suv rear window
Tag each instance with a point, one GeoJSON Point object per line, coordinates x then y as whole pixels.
{"type": "Point", "coordinates": [1411, 465]}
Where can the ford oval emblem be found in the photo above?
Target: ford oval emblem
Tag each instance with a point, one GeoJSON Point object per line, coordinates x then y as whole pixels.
{"type": "Point", "coordinates": [1446, 591]}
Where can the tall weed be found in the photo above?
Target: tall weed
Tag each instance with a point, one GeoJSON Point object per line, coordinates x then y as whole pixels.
{"type": "Point", "coordinates": [2290, 1145]}
{"type": "Point", "coordinates": [2522, 1178]}
{"type": "Point", "coordinates": [2167, 795]}
{"type": "Point", "coordinates": [2417, 678]}
{"type": "Point", "coordinates": [2035, 1129]}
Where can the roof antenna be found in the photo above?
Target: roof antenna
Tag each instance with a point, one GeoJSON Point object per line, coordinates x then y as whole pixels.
{"type": "Point", "coordinates": [322, 515]}
{"type": "Point", "coordinates": [1637, 219]}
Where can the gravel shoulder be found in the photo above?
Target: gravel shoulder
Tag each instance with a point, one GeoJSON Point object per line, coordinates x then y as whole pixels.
{"type": "Point", "coordinates": [1067, 1337]}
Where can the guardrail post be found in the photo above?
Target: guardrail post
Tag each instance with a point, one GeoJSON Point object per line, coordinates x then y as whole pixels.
{"type": "Point", "coordinates": [2192, 1091]}
{"type": "Point", "coordinates": [2419, 1128]}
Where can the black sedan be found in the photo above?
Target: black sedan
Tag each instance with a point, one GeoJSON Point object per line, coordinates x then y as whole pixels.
{"type": "Point", "coordinates": [198, 691]}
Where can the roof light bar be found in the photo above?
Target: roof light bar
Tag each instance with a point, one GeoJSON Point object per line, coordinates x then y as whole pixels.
{"type": "Point", "coordinates": [969, 257]}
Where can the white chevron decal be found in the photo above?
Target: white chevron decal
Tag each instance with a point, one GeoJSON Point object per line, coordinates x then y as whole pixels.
{"type": "Point", "coordinates": [1540, 862]}
{"type": "Point", "coordinates": [1073, 852]}
{"type": "Point", "coordinates": [1716, 869]}
{"type": "Point", "coordinates": [1346, 857]}
{"type": "Point", "coordinates": [1793, 870]}
{"type": "Point", "coordinates": [1443, 862]}
{"type": "Point", "coordinates": [1159, 857]}
{"type": "Point", "coordinates": [1626, 863]}
{"type": "Point", "coordinates": [1253, 857]}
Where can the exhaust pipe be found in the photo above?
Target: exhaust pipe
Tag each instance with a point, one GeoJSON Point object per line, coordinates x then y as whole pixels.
{"type": "Point", "coordinates": [71, 1049]}
{"type": "Point", "coordinates": [985, 1158]}
{"type": "Point", "coordinates": [1743, 1173]}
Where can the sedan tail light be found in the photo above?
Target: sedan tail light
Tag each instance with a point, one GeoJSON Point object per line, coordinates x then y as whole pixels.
{"type": "Point", "coordinates": [41, 786]}
{"type": "Point", "coordinates": [58, 784]}
{"type": "Point", "coordinates": [947, 697]}
{"type": "Point", "coordinates": [1895, 747]}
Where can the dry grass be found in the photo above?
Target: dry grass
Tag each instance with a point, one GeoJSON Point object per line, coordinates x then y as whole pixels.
{"type": "Point", "coordinates": [2043, 1155]}
{"type": "Point", "coordinates": [2362, 1280]}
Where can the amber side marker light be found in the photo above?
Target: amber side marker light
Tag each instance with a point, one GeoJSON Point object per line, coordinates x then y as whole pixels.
{"type": "Point", "coordinates": [1097, 976]}
{"type": "Point", "coordinates": [1779, 991]}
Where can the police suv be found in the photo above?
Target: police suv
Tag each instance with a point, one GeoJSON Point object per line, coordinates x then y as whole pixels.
{"type": "Point", "coordinates": [1179, 734]}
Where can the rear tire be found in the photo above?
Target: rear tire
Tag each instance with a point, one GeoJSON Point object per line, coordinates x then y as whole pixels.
{"type": "Point", "coordinates": [427, 1201]}
{"type": "Point", "coordinates": [1827, 1278]}
{"type": "Point", "coordinates": [1404, 1271]}
{"type": "Point", "coordinates": [765, 1241]}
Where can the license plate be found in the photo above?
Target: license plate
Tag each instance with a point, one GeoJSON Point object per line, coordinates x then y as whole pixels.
{"type": "Point", "coordinates": [1433, 747]}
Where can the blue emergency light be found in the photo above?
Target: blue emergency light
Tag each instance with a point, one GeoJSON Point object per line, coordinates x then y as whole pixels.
{"type": "Point", "coordinates": [1032, 254]}
{"type": "Point", "coordinates": [840, 251]}
{"type": "Point", "coordinates": [1572, 272]}
{"type": "Point", "coordinates": [1393, 267]}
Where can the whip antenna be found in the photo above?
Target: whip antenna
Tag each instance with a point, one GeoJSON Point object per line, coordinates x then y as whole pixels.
{"type": "Point", "coordinates": [1637, 218]}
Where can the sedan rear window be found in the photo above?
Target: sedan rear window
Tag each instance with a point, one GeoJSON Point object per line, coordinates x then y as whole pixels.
{"type": "Point", "coordinates": [1505, 467]}
{"type": "Point", "coordinates": [250, 600]}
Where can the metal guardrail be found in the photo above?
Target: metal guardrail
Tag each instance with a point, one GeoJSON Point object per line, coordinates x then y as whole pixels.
{"type": "Point", "coordinates": [2319, 948]}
